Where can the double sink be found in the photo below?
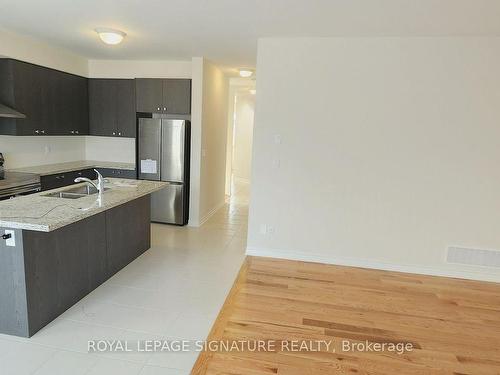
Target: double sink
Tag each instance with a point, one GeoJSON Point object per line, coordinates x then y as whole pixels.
{"type": "Point", "coordinates": [74, 193]}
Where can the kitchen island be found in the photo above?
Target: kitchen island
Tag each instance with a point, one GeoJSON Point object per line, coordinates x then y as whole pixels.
{"type": "Point", "coordinates": [57, 250]}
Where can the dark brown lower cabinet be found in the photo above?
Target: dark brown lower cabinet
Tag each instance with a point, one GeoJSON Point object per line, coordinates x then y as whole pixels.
{"type": "Point", "coordinates": [54, 181]}
{"type": "Point", "coordinates": [46, 273]}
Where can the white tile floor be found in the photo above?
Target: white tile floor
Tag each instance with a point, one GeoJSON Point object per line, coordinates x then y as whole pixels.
{"type": "Point", "coordinates": [173, 291]}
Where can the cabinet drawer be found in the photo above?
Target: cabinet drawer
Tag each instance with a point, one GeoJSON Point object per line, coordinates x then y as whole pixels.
{"type": "Point", "coordinates": [58, 180]}
{"type": "Point", "coordinates": [54, 181]}
{"type": "Point", "coordinates": [118, 173]}
{"type": "Point", "coordinates": [88, 173]}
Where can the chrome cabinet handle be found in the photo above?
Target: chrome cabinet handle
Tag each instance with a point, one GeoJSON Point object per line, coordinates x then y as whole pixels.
{"type": "Point", "coordinates": [165, 109]}
{"type": "Point", "coordinates": [76, 131]}
{"type": "Point", "coordinates": [114, 133]}
{"type": "Point", "coordinates": [72, 132]}
{"type": "Point", "coordinates": [37, 131]}
{"type": "Point", "coordinates": [43, 132]}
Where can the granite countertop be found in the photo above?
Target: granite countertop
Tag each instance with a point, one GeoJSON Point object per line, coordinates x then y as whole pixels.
{"type": "Point", "coordinates": [45, 214]}
{"type": "Point", "coordinates": [44, 170]}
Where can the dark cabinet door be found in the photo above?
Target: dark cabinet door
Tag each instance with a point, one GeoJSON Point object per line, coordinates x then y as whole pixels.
{"type": "Point", "coordinates": [149, 95]}
{"type": "Point", "coordinates": [54, 102]}
{"type": "Point", "coordinates": [31, 98]}
{"type": "Point", "coordinates": [58, 104]}
{"type": "Point", "coordinates": [125, 108]}
{"type": "Point", "coordinates": [55, 181]}
{"type": "Point", "coordinates": [79, 105]}
{"type": "Point", "coordinates": [102, 107]}
{"type": "Point", "coordinates": [67, 103]}
{"type": "Point", "coordinates": [112, 107]}
{"type": "Point", "coordinates": [177, 96]}
{"type": "Point", "coordinates": [72, 106]}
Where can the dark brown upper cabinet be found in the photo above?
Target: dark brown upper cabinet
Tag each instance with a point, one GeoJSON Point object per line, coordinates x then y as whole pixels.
{"type": "Point", "coordinates": [168, 96]}
{"type": "Point", "coordinates": [54, 102]}
{"type": "Point", "coordinates": [112, 107]}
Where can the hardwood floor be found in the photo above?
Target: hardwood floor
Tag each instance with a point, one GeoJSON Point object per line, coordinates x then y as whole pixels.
{"type": "Point", "coordinates": [453, 324]}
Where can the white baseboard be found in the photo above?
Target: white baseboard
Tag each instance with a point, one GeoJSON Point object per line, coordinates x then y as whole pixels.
{"type": "Point", "coordinates": [483, 275]}
{"type": "Point", "coordinates": [210, 213]}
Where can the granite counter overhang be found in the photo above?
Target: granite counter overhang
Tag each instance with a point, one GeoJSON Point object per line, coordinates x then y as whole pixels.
{"type": "Point", "coordinates": [37, 212]}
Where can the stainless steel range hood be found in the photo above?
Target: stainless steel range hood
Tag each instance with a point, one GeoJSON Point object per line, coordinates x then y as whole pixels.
{"type": "Point", "coordinates": [7, 112]}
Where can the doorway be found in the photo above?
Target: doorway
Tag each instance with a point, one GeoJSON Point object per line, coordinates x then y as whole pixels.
{"type": "Point", "coordinates": [240, 137]}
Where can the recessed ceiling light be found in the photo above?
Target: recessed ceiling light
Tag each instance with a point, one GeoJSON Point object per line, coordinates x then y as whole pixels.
{"type": "Point", "coordinates": [110, 36]}
{"type": "Point", "coordinates": [245, 73]}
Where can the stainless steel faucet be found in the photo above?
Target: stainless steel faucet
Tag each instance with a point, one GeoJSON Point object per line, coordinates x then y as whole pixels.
{"type": "Point", "coordinates": [100, 182]}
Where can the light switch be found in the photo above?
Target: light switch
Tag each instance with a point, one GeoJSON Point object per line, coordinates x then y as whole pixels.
{"type": "Point", "coordinates": [277, 139]}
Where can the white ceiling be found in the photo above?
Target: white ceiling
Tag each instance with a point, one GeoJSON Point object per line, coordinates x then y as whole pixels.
{"type": "Point", "coordinates": [226, 31]}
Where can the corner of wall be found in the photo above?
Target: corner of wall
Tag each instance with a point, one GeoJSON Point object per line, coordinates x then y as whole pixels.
{"type": "Point", "coordinates": [196, 131]}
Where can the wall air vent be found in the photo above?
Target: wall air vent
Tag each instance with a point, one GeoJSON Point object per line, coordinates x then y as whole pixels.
{"type": "Point", "coordinates": [473, 257]}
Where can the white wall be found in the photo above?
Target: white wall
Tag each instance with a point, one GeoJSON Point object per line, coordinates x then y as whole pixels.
{"type": "Point", "coordinates": [37, 52]}
{"type": "Point", "coordinates": [389, 151]}
{"type": "Point", "coordinates": [213, 140]}
{"type": "Point", "coordinates": [196, 124]}
{"type": "Point", "coordinates": [29, 151]}
{"type": "Point", "coordinates": [139, 69]}
{"type": "Point", "coordinates": [208, 140]}
{"type": "Point", "coordinates": [121, 150]}
{"type": "Point", "coordinates": [229, 136]}
{"type": "Point", "coordinates": [243, 135]}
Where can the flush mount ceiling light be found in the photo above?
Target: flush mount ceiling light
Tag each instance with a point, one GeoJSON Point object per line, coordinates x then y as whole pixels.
{"type": "Point", "coordinates": [110, 36]}
{"type": "Point", "coordinates": [253, 91]}
{"type": "Point", "coordinates": [245, 73]}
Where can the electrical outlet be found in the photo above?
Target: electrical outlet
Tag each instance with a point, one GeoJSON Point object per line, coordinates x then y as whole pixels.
{"type": "Point", "coordinates": [12, 240]}
{"type": "Point", "coordinates": [277, 139]}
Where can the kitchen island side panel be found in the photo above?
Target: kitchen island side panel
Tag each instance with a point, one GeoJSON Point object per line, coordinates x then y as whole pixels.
{"type": "Point", "coordinates": [13, 306]}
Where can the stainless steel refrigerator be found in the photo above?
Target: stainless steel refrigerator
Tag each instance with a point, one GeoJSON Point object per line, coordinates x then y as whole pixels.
{"type": "Point", "coordinates": [163, 155]}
